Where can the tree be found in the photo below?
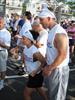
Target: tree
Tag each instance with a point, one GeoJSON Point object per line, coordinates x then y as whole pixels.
{"type": "Point", "coordinates": [23, 8]}
{"type": "Point", "coordinates": [61, 1]}
{"type": "Point", "coordinates": [72, 6]}
{"type": "Point", "coordinates": [56, 0]}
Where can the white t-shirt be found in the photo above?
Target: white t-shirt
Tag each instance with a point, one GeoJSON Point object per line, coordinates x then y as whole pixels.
{"type": "Point", "coordinates": [28, 56]}
{"type": "Point", "coordinates": [5, 37]}
{"type": "Point", "coordinates": [7, 23]}
{"type": "Point", "coordinates": [42, 39]}
{"type": "Point", "coordinates": [52, 52]}
{"type": "Point", "coordinates": [26, 27]}
{"type": "Point", "coordinates": [16, 24]}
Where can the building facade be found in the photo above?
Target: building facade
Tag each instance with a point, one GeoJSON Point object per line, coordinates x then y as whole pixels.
{"type": "Point", "coordinates": [2, 7]}
{"type": "Point", "coordinates": [13, 6]}
{"type": "Point", "coordinates": [34, 6]}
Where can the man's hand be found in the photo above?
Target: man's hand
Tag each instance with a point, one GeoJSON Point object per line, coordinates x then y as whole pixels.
{"type": "Point", "coordinates": [3, 45]}
{"type": "Point", "coordinates": [46, 71]}
{"type": "Point", "coordinates": [18, 36]}
{"type": "Point", "coordinates": [33, 73]}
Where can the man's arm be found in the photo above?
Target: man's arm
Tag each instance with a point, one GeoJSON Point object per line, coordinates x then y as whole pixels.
{"type": "Point", "coordinates": [61, 44]}
{"type": "Point", "coordinates": [38, 57]}
{"type": "Point", "coordinates": [6, 42]}
{"type": "Point", "coordinates": [3, 45]}
{"type": "Point", "coordinates": [38, 44]}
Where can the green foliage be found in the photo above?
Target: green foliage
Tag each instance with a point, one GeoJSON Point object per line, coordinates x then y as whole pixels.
{"type": "Point", "coordinates": [23, 8]}
{"type": "Point", "coordinates": [70, 3]}
{"type": "Point", "coordinates": [61, 1]}
{"type": "Point", "coordinates": [72, 6]}
{"type": "Point", "coordinates": [73, 13]}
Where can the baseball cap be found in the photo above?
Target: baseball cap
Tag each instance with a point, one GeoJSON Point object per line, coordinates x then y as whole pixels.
{"type": "Point", "coordinates": [28, 35]}
{"type": "Point", "coordinates": [46, 13]}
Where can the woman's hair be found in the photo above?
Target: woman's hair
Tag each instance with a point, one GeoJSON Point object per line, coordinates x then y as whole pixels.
{"type": "Point", "coordinates": [34, 34]}
{"type": "Point", "coordinates": [28, 15]}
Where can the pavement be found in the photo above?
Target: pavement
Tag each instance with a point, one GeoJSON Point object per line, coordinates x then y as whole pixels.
{"type": "Point", "coordinates": [15, 84]}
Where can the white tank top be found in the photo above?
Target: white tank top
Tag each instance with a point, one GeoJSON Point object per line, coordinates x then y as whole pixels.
{"type": "Point", "coordinates": [28, 55]}
{"type": "Point", "coordinates": [51, 50]}
{"type": "Point", "coordinates": [42, 39]}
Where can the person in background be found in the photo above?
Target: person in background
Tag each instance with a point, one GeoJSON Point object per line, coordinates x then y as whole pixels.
{"type": "Point", "coordinates": [71, 34]}
{"type": "Point", "coordinates": [20, 23]}
{"type": "Point", "coordinates": [7, 22]}
{"type": "Point", "coordinates": [34, 62]}
{"type": "Point", "coordinates": [15, 24]}
{"type": "Point", "coordinates": [41, 41]}
{"type": "Point", "coordinates": [25, 27]}
{"type": "Point", "coordinates": [5, 39]}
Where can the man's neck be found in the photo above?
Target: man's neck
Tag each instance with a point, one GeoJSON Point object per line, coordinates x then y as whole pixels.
{"type": "Point", "coordinates": [52, 25]}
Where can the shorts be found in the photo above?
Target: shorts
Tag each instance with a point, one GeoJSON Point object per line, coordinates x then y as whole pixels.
{"type": "Point", "coordinates": [36, 81]}
{"type": "Point", "coordinates": [3, 60]}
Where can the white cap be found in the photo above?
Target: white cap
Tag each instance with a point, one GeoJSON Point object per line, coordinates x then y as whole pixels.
{"type": "Point", "coordinates": [46, 13]}
{"type": "Point", "coordinates": [28, 35]}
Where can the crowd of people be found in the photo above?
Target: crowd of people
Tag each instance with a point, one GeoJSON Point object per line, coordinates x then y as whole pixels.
{"type": "Point", "coordinates": [43, 46]}
{"type": "Point", "coordinates": [69, 26]}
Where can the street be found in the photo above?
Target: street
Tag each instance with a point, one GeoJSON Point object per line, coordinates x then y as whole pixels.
{"type": "Point", "coordinates": [14, 84]}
